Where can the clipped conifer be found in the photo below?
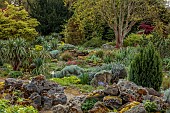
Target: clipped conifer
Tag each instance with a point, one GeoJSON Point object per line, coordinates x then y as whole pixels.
{"type": "Point", "coordinates": [146, 68]}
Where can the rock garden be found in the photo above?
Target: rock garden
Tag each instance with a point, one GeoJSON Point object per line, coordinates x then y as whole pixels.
{"type": "Point", "coordinates": [84, 56]}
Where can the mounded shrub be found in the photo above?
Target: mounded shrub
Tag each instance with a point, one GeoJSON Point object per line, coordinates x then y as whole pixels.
{"type": "Point", "coordinates": [146, 68]}
{"type": "Point", "coordinates": [94, 42]}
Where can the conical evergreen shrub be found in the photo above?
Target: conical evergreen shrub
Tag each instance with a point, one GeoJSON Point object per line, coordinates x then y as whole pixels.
{"type": "Point", "coordinates": [146, 68]}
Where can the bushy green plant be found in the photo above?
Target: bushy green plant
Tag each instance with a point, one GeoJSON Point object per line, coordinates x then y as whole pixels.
{"type": "Point", "coordinates": [88, 104]}
{"type": "Point", "coordinates": [84, 78]}
{"type": "Point", "coordinates": [51, 15]}
{"type": "Point", "coordinates": [150, 106]}
{"type": "Point", "coordinates": [94, 42]}
{"type": "Point", "coordinates": [125, 55]}
{"type": "Point", "coordinates": [73, 34]}
{"type": "Point", "coordinates": [64, 47]}
{"type": "Point", "coordinates": [93, 58]}
{"type": "Point", "coordinates": [166, 64]}
{"type": "Point", "coordinates": [40, 59]}
{"type": "Point", "coordinates": [146, 68]}
{"type": "Point", "coordinates": [108, 57]}
{"type": "Point", "coordinates": [15, 74]}
{"type": "Point", "coordinates": [16, 22]}
{"type": "Point", "coordinates": [66, 56]}
{"type": "Point", "coordinates": [66, 81]}
{"type": "Point", "coordinates": [165, 83]}
{"type": "Point", "coordinates": [99, 53]}
{"type": "Point", "coordinates": [132, 40]}
{"type": "Point", "coordinates": [162, 44]}
{"type": "Point", "coordinates": [106, 67]}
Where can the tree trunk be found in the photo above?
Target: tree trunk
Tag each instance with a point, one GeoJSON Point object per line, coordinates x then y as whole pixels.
{"type": "Point", "coordinates": [16, 66]}
{"type": "Point", "coordinates": [119, 40]}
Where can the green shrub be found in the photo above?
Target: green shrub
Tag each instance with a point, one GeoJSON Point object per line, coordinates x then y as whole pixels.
{"type": "Point", "coordinates": [132, 40]}
{"type": "Point", "coordinates": [111, 43]}
{"type": "Point", "coordinates": [88, 104]}
{"type": "Point", "coordinates": [66, 81]}
{"type": "Point", "coordinates": [15, 74]}
{"type": "Point", "coordinates": [150, 106]}
{"type": "Point", "coordinates": [161, 44]}
{"type": "Point", "coordinates": [99, 54]}
{"type": "Point", "coordinates": [64, 47]}
{"type": "Point", "coordinates": [146, 68]}
{"type": "Point", "coordinates": [84, 78]}
{"type": "Point", "coordinates": [165, 82]}
{"type": "Point", "coordinates": [16, 22]}
{"type": "Point", "coordinates": [94, 42]}
{"type": "Point", "coordinates": [108, 57]}
{"type": "Point", "coordinates": [93, 58]}
{"type": "Point", "coordinates": [166, 64]}
{"type": "Point", "coordinates": [73, 34]}
{"type": "Point", "coordinates": [125, 55]}
{"type": "Point", "coordinates": [66, 56]}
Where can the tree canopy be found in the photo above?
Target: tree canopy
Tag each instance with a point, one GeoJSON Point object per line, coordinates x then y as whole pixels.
{"type": "Point", "coordinates": [15, 22]}
{"type": "Point", "coordinates": [51, 14]}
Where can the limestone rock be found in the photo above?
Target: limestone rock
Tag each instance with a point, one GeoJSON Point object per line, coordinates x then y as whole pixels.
{"type": "Point", "coordinates": [60, 109]}
{"type": "Point", "coordinates": [137, 109]}
{"type": "Point", "coordinates": [96, 94]}
{"type": "Point", "coordinates": [75, 104]}
{"type": "Point", "coordinates": [59, 98]}
{"type": "Point", "coordinates": [101, 78]}
{"type": "Point", "coordinates": [112, 90]}
{"type": "Point", "coordinates": [11, 83]}
{"type": "Point", "coordinates": [107, 47]}
{"type": "Point", "coordinates": [112, 101]}
{"type": "Point", "coordinates": [36, 98]}
{"type": "Point", "coordinates": [99, 107]}
{"type": "Point", "coordinates": [128, 106]}
{"type": "Point", "coordinates": [129, 91]}
{"type": "Point", "coordinates": [48, 102]}
{"type": "Point", "coordinates": [151, 91]}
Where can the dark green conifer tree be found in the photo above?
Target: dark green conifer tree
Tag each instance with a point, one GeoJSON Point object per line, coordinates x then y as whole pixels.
{"type": "Point", "coordinates": [146, 68]}
{"type": "Point", "coordinates": [51, 14]}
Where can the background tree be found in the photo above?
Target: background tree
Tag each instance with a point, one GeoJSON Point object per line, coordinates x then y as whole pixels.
{"type": "Point", "coordinates": [51, 14]}
{"type": "Point", "coordinates": [122, 15]}
{"type": "Point", "coordinates": [15, 22]}
{"type": "Point", "coordinates": [88, 21]}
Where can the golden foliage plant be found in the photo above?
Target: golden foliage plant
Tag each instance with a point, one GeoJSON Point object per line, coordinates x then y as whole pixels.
{"type": "Point", "coordinates": [15, 22]}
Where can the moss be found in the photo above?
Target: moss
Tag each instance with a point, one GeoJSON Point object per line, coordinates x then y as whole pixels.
{"type": "Point", "coordinates": [112, 98]}
{"type": "Point", "coordinates": [129, 106]}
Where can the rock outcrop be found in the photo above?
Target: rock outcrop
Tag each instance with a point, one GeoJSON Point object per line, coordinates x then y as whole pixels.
{"type": "Point", "coordinates": [43, 94]}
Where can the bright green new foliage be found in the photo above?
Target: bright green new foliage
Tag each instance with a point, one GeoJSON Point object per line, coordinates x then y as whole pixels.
{"type": "Point", "coordinates": [146, 68]}
{"type": "Point", "coordinates": [16, 23]}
